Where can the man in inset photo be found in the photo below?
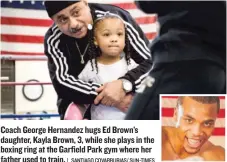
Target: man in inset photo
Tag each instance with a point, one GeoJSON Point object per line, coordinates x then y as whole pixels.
{"type": "Point", "coordinates": [194, 119]}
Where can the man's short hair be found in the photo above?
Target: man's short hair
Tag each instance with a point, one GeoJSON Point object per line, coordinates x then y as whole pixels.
{"type": "Point", "coordinates": [201, 99]}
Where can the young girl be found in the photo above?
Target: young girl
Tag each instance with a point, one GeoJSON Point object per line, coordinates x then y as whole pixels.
{"type": "Point", "coordinates": [108, 62]}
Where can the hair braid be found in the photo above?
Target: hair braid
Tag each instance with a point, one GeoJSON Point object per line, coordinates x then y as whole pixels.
{"type": "Point", "coordinates": [96, 65]}
{"type": "Point", "coordinates": [91, 49]}
{"type": "Point", "coordinates": [127, 48]}
{"type": "Point", "coordinates": [94, 52]}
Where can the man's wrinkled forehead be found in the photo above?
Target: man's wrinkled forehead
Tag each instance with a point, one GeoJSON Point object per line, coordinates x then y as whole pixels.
{"type": "Point", "coordinates": [53, 7]}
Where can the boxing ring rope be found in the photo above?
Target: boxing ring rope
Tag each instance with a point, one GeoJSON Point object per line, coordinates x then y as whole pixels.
{"type": "Point", "coordinates": [6, 116]}
{"type": "Point", "coordinates": [23, 57]}
{"type": "Point", "coordinates": [24, 83]}
{"type": "Point", "coordinates": [21, 116]}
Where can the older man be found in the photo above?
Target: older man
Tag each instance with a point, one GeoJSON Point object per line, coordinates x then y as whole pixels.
{"type": "Point", "coordinates": [66, 46]}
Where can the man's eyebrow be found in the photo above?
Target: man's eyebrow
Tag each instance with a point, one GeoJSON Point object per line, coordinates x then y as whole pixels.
{"type": "Point", "coordinates": [209, 120]}
{"type": "Point", "coordinates": [75, 7]}
{"type": "Point", "coordinates": [60, 16]}
{"type": "Point", "coordinates": [188, 116]}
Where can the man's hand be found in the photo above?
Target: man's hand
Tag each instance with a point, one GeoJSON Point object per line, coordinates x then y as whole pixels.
{"type": "Point", "coordinates": [111, 93]}
{"type": "Point", "coordinates": [125, 103]}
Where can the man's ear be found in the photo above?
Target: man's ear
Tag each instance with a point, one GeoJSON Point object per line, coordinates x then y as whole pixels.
{"type": "Point", "coordinates": [85, 2]}
{"type": "Point", "coordinates": [176, 118]}
{"type": "Point", "coordinates": [175, 114]}
{"type": "Point", "coordinates": [178, 114]}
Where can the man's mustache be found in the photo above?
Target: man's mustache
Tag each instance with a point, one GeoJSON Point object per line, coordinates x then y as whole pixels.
{"type": "Point", "coordinates": [74, 30]}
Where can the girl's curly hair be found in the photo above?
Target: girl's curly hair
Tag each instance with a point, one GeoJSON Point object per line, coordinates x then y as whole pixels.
{"type": "Point", "coordinates": [94, 51]}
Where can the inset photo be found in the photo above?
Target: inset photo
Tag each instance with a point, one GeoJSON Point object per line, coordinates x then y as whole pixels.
{"type": "Point", "coordinates": [193, 127]}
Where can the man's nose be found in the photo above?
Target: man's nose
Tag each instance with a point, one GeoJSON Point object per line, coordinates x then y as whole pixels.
{"type": "Point", "coordinates": [196, 130]}
{"type": "Point", "coordinates": [74, 24]}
